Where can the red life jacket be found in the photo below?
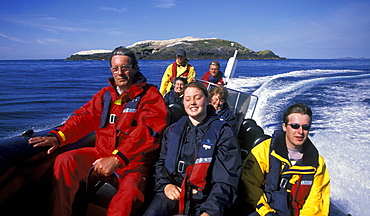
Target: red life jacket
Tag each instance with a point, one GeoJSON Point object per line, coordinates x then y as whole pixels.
{"type": "Point", "coordinates": [129, 112]}
{"type": "Point", "coordinates": [207, 77]}
{"type": "Point", "coordinates": [174, 72]}
{"type": "Point", "coordinates": [195, 178]}
{"type": "Point", "coordinates": [300, 191]}
{"type": "Point", "coordinates": [127, 121]}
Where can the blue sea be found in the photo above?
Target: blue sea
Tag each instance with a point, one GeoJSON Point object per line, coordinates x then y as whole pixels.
{"type": "Point", "coordinates": [39, 94]}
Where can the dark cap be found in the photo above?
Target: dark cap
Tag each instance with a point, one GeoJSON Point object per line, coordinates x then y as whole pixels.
{"type": "Point", "coordinates": [181, 52]}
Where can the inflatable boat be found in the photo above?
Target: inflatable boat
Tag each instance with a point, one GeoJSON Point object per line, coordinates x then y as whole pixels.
{"type": "Point", "coordinates": [25, 171]}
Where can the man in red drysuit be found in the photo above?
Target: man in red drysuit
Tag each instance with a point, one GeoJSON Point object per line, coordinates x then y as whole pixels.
{"type": "Point", "coordinates": [128, 117]}
{"type": "Point", "coordinates": [214, 75]}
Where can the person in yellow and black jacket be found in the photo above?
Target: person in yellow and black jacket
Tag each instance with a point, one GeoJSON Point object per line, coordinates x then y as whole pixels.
{"type": "Point", "coordinates": [180, 68]}
{"type": "Point", "coordinates": [285, 175]}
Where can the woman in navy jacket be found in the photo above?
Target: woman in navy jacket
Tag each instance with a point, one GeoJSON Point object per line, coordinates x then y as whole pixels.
{"type": "Point", "coordinates": [218, 99]}
{"type": "Point", "coordinates": [200, 163]}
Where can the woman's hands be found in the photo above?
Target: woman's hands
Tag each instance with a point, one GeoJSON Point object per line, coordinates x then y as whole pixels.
{"type": "Point", "coordinates": [172, 192]}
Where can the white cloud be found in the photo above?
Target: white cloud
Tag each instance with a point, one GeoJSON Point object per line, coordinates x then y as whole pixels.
{"type": "Point", "coordinates": [40, 42]}
{"type": "Point", "coordinates": [52, 24]}
{"type": "Point", "coordinates": [165, 3]}
{"type": "Point", "coordinates": [4, 48]}
{"type": "Point", "coordinates": [50, 40]}
{"type": "Point", "coordinates": [115, 9]}
{"type": "Point", "coordinates": [115, 32]}
{"type": "Point", "coordinates": [12, 38]}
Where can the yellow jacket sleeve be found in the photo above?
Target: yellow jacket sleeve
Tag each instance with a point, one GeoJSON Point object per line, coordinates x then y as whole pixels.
{"type": "Point", "coordinates": [166, 80]}
{"type": "Point", "coordinates": [318, 201]}
{"type": "Point", "coordinates": [255, 168]}
{"type": "Point", "coordinates": [191, 74]}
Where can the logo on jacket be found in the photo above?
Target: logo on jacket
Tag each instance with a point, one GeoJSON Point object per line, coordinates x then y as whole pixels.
{"type": "Point", "coordinates": [129, 110]}
{"type": "Point", "coordinates": [207, 145]}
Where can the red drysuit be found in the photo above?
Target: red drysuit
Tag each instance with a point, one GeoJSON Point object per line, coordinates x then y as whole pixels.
{"type": "Point", "coordinates": [131, 133]}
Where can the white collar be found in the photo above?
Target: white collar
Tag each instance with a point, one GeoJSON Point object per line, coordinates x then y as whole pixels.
{"type": "Point", "coordinates": [118, 90]}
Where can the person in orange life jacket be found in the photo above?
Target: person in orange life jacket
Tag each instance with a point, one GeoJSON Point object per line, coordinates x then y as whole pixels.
{"type": "Point", "coordinates": [199, 165]}
{"type": "Point", "coordinates": [180, 68]}
{"type": "Point", "coordinates": [218, 96]}
{"type": "Point", "coordinates": [285, 175]}
{"type": "Point", "coordinates": [177, 92]}
{"type": "Point", "coordinates": [214, 75]}
{"type": "Point", "coordinates": [127, 138]}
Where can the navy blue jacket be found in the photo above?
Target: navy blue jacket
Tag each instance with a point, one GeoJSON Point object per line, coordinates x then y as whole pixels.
{"type": "Point", "coordinates": [228, 116]}
{"type": "Point", "coordinates": [171, 97]}
{"type": "Point", "coordinates": [225, 170]}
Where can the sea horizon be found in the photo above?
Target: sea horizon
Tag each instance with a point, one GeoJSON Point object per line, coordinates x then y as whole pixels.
{"type": "Point", "coordinates": [61, 59]}
{"type": "Point", "coordinates": [41, 94]}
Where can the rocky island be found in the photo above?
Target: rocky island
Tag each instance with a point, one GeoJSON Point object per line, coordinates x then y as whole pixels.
{"type": "Point", "coordinates": [196, 48]}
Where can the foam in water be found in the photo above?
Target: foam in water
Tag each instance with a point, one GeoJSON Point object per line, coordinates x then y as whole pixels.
{"type": "Point", "coordinates": [340, 131]}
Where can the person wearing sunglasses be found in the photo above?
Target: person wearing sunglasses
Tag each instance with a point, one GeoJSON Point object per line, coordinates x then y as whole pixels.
{"type": "Point", "coordinates": [286, 175]}
{"type": "Point", "coordinates": [214, 75]}
{"type": "Point", "coordinates": [128, 117]}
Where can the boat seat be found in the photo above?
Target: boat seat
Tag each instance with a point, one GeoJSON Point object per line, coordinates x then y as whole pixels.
{"type": "Point", "coordinates": [248, 132]}
{"type": "Point", "coordinates": [248, 122]}
{"type": "Point", "coordinates": [260, 138]}
{"type": "Point", "coordinates": [175, 112]}
{"type": "Point", "coordinates": [100, 189]}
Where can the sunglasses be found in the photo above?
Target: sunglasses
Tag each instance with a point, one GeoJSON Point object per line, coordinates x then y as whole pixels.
{"type": "Point", "coordinates": [297, 126]}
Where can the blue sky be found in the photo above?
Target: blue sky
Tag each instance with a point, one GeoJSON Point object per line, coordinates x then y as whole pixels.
{"type": "Point", "coordinates": [55, 29]}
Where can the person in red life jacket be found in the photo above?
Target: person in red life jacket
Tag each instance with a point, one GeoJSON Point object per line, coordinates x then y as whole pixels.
{"type": "Point", "coordinates": [285, 175]}
{"type": "Point", "coordinates": [200, 163]}
{"type": "Point", "coordinates": [177, 92]}
{"type": "Point", "coordinates": [218, 96]}
{"type": "Point", "coordinates": [128, 117]}
{"type": "Point", "coordinates": [180, 68]}
{"type": "Point", "coordinates": [214, 75]}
